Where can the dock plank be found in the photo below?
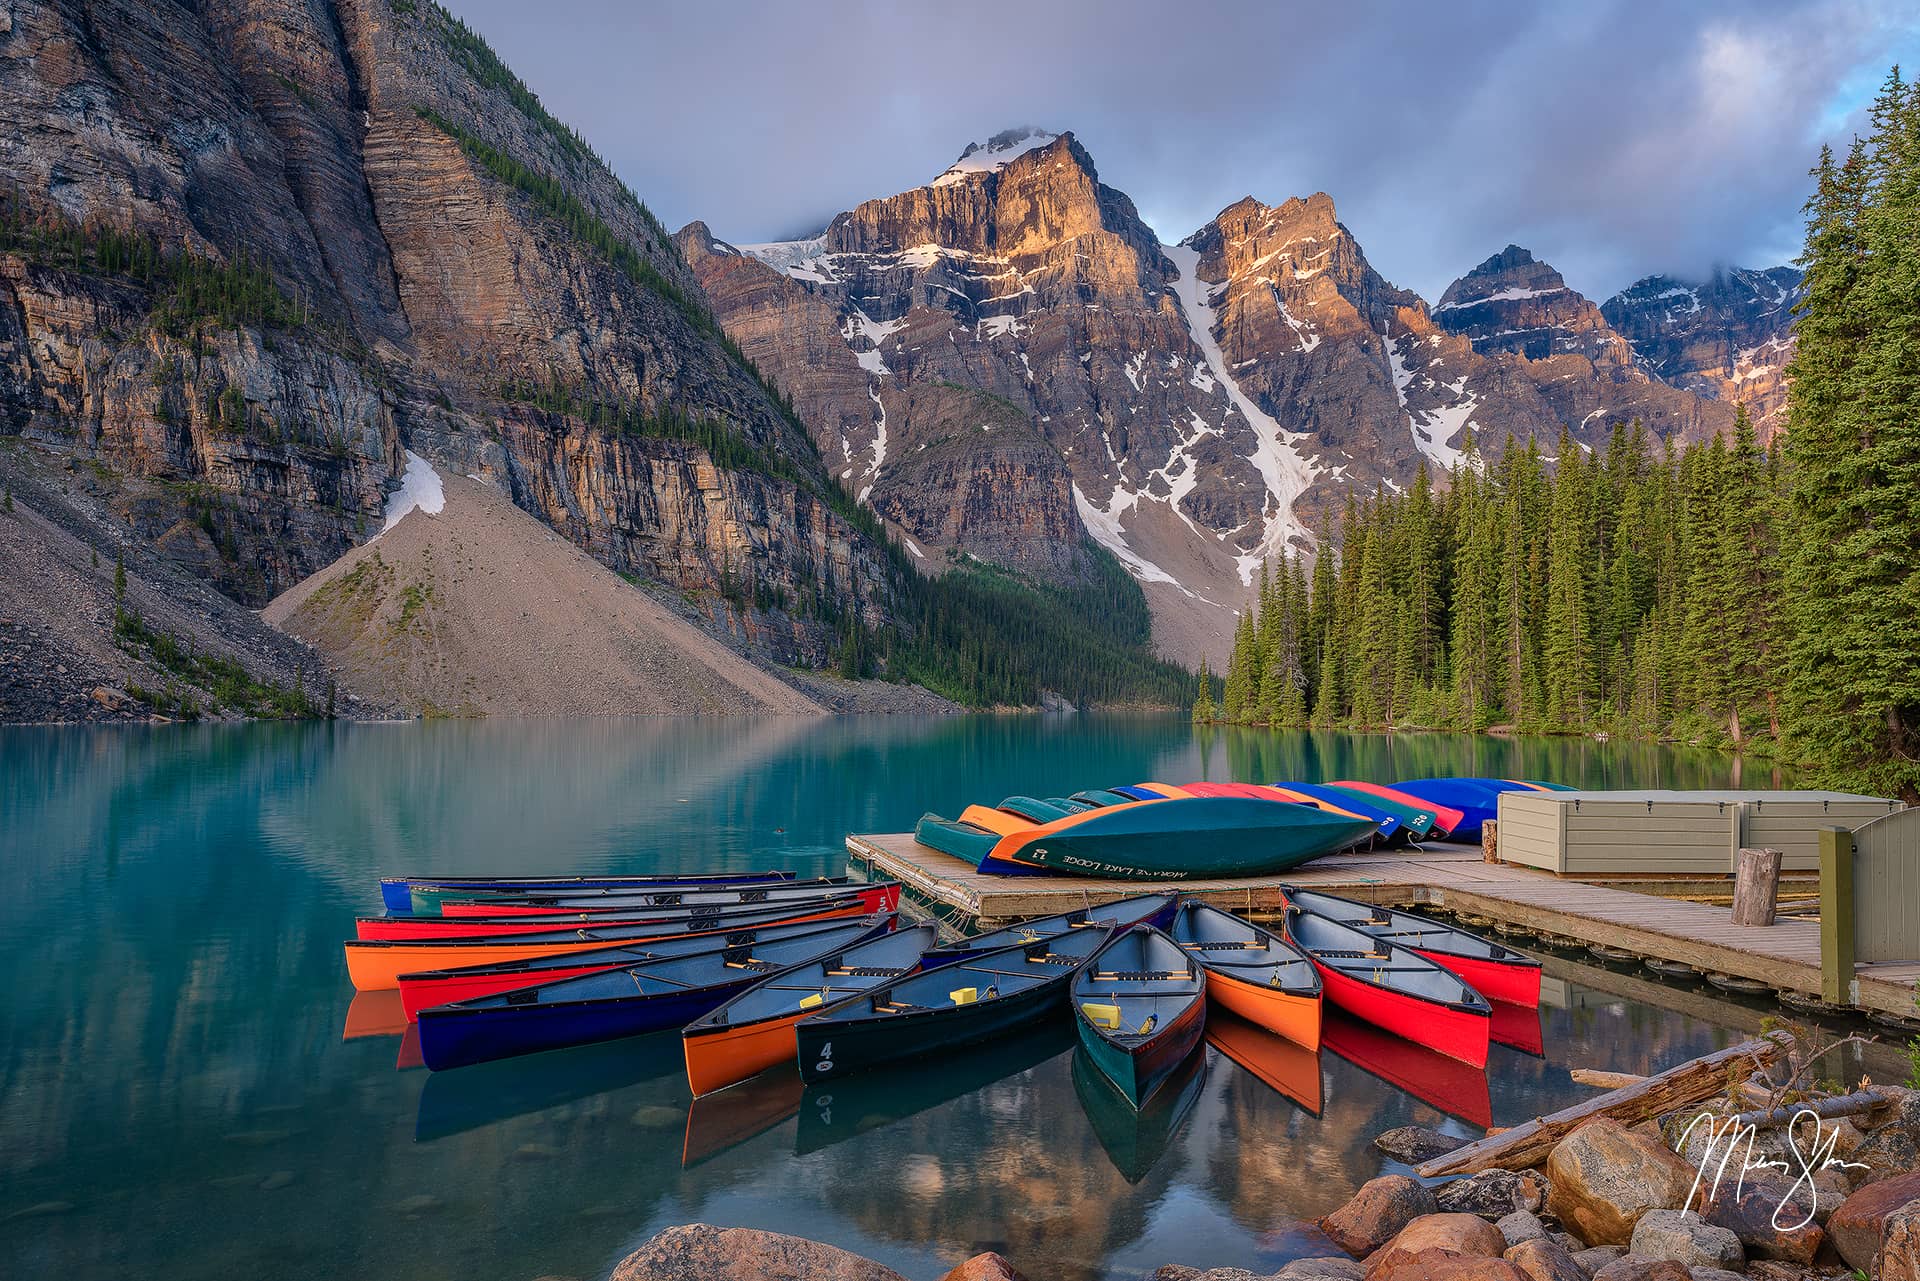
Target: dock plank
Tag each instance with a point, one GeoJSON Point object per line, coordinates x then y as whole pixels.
{"type": "Point", "coordinates": [1784, 955]}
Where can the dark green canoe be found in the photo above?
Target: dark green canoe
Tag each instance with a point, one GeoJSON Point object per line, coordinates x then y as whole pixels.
{"type": "Point", "coordinates": [1174, 840]}
{"type": "Point", "coordinates": [1419, 823]}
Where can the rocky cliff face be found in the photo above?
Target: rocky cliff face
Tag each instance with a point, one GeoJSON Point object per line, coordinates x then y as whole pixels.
{"type": "Point", "coordinates": [1209, 403]}
{"type": "Point", "coordinates": [1728, 337]}
{"type": "Point", "coordinates": [444, 265]}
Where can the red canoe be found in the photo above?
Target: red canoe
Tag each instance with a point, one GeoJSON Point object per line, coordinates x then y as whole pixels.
{"type": "Point", "coordinates": [1455, 1088]}
{"type": "Point", "coordinates": [1445, 815]}
{"type": "Point", "coordinates": [1393, 987]}
{"type": "Point", "coordinates": [1496, 972]}
{"type": "Point", "coordinates": [880, 897]}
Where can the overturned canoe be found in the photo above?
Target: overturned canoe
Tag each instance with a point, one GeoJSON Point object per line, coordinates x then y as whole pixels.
{"type": "Point", "coordinates": [612, 1004]}
{"type": "Point", "coordinates": [754, 1031]}
{"type": "Point", "coordinates": [375, 964]}
{"type": "Point", "coordinates": [1140, 1008]}
{"type": "Point", "coordinates": [1164, 839]}
{"type": "Point", "coordinates": [952, 1006]}
{"type": "Point", "coordinates": [1494, 971]}
{"type": "Point", "coordinates": [623, 900]}
{"type": "Point", "coordinates": [1392, 987]}
{"type": "Point", "coordinates": [1418, 821]}
{"type": "Point", "coordinates": [1446, 818]}
{"type": "Point", "coordinates": [1477, 799]}
{"type": "Point", "coordinates": [1253, 972]}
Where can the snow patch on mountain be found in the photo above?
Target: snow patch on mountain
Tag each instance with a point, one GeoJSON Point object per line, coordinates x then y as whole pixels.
{"type": "Point", "coordinates": [993, 154]}
{"type": "Point", "coordinates": [1287, 471]}
{"type": "Point", "coordinates": [1106, 530]}
{"type": "Point", "coordinates": [1434, 429]}
{"type": "Point", "coordinates": [805, 260]}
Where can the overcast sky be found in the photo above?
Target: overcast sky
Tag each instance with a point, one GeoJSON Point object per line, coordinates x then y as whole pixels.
{"type": "Point", "coordinates": [1612, 139]}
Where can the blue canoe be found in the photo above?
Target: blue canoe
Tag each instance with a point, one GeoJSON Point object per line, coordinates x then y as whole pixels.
{"type": "Point", "coordinates": [1477, 799]}
{"type": "Point", "coordinates": [605, 1006]}
{"type": "Point", "coordinates": [1390, 825]}
{"type": "Point", "coordinates": [396, 892]}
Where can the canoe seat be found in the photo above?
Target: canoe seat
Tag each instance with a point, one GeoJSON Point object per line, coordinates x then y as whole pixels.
{"type": "Point", "coordinates": [1353, 956]}
{"type": "Point", "coordinates": [759, 967]}
{"type": "Point", "coordinates": [1052, 958]}
{"type": "Point", "coordinates": [865, 971]}
{"type": "Point", "coordinates": [1140, 976]}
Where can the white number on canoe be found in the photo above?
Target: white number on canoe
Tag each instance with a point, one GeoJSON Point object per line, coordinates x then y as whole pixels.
{"type": "Point", "coordinates": [826, 1058]}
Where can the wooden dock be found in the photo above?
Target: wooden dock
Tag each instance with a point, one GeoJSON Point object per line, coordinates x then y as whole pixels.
{"type": "Point", "coordinates": [1785, 955]}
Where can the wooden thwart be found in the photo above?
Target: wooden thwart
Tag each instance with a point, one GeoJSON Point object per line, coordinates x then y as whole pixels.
{"type": "Point", "coordinates": [1528, 1144]}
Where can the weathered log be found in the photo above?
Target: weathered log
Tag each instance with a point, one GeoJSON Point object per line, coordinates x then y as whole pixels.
{"type": "Point", "coordinates": [1826, 1109]}
{"type": "Point", "coordinates": [1604, 1080]}
{"type": "Point", "coordinates": [1756, 886]}
{"type": "Point", "coordinates": [1527, 1144]}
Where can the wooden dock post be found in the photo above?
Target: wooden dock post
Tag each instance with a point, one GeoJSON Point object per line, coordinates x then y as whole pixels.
{"type": "Point", "coordinates": [1490, 841]}
{"type": "Point", "coordinates": [1836, 915]}
{"type": "Point", "coordinates": [1756, 886]}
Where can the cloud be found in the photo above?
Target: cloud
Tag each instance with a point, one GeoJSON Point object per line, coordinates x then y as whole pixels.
{"type": "Point", "coordinates": [1613, 139]}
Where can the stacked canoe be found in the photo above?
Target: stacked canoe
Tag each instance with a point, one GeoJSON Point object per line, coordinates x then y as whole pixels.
{"type": "Point", "coordinates": [1163, 832]}
{"type": "Point", "coordinates": [763, 969]}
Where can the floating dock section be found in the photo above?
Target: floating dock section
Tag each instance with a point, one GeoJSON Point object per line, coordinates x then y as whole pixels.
{"type": "Point", "coordinates": [1636, 910]}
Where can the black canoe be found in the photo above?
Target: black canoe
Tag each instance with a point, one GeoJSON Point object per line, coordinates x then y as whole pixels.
{"type": "Point", "coordinates": [1121, 914]}
{"type": "Point", "coordinates": [1141, 1009]}
{"type": "Point", "coordinates": [954, 1005]}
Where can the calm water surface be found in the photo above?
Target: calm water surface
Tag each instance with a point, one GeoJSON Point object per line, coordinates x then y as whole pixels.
{"type": "Point", "coordinates": [179, 1095]}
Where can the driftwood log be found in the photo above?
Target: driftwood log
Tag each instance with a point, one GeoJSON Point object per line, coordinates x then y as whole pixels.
{"type": "Point", "coordinates": [1604, 1080]}
{"type": "Point", "coordinates": [1528, 1144]}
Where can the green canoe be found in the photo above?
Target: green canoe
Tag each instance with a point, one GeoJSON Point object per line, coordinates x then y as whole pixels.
{"type": "Point", "coordinates": [1170, 840]}
{"type": "Point", "coordinates": [1419, 823]}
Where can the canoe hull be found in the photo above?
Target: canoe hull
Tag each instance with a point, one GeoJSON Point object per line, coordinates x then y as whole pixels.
{"type": "Point", "coordinates": [375, 965]}
{"type": "Point", "coordinates": [406, 895]}
{"type": "Point", "coordinates": [1458, 1034]}
{"type": "Point", "coordinates": [1139, 1071]}
{"type": "Point", "coordinates": [835, 1048]}
{"type": "Point", "coordinates": [1183, 838]}
{"type": "Point", "coordinates": [719, 1057]}
{"type": "Point", "coordinates": [1510, 982]}
{"type": "Point", "coordinates": [875, 898]}
{"type": "Point", "coordinates": [1288, 1014]}
{"type": "Point", "coordinates": [455, 1036]}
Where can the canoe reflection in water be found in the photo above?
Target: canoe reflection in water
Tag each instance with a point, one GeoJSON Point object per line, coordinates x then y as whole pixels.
{"type": "Point", "coordinates": [1135, 1140]}
{"type": "Point", "coordinates": [374, 1014]}
{"type": "Point", "coordinates": [1518, 1028]}
{"type": "Point", "coordinates": [455, 1102]}
{"type": "Point", "coordinates": [728, 1118]}
{"type": "Point", "coordinates": [1284, 1066]}
{"type": "Point", "coordinates": [837, 1111]}
{"type": "Point", "coordinates": [1455, 1088]}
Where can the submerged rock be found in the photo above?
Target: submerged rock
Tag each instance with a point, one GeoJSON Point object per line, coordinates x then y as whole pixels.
{"type": "Point", "coordinates": [700, 1251]}
{"type": "Point", "coordinates": [1416, 1143]}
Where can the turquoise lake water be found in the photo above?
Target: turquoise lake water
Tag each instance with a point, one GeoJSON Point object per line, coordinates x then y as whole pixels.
{"type": "Point", "coordinates": [177, 1097]}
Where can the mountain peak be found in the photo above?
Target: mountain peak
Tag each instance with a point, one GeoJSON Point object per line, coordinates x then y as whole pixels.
{"type": "Point", "coordinates": [1513, 274]}
{"type": "Point", "coordinates": [993, 154]}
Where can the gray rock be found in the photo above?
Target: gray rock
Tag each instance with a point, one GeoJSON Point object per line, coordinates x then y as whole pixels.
{"type": "Point", "coordinates": [1715, 1274]}
{"type": "Point", "coordinates": [1493, 1194]}
{"type": "Point", "coordinates": [1569, 1242]}
{"type": "Point", "coordinates": [1637, 1267]}
{"type": "Point", "coordinates": [1521, 1225]}
{"type": "Point", "coordinates": [699, 1252]}
{"type": "Point", "coordinates": [1598, 1257]}
{"type": "Point", "coordinates": [1686, 1238]}
{"type": "Point", "coordinates": [1416, 1143]}
{"type": "Point", "coordinates": [1331, 1268]}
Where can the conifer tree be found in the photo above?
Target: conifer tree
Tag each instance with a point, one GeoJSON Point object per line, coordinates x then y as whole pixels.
{"type": "Point", "coordinates": [1203, 709]}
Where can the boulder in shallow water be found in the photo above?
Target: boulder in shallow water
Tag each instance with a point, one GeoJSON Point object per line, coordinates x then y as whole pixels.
{"type": "Point", "coordinates": [1379, 1209]}
{"type": "Point", "coordinates": [1686, 1238]}
{"type": "Point", "coordinates": [985, 1267]}
{"type": "Point", "coordinates": [1603, 1177]}
{"type": "Point", "coordinates": [1461, 1234]}
{"type": "Point", "coordinates": [1416, 1143]}
{"type": "Point", "coordinates": [701, 1252]}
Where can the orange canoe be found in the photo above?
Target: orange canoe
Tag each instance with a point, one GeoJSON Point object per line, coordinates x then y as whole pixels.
{"type": "Point", "coordinates": [1289, 1014]}
{"type": "Point", "coordinates": [377, 964]}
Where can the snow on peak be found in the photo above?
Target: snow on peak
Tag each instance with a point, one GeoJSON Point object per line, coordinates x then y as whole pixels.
{"type": "Point", "coordinates": [989, 156]}
{"type": "Point", "coordinates": [805, 260]}
{"type": "Point", "coordinates": [419, 487]}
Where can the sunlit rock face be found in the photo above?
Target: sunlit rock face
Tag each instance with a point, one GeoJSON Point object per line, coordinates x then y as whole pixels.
{"type": "Point", "coordinates": [1728, 337]}
{"type": "Point", "coordinates": [1007, 356]}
